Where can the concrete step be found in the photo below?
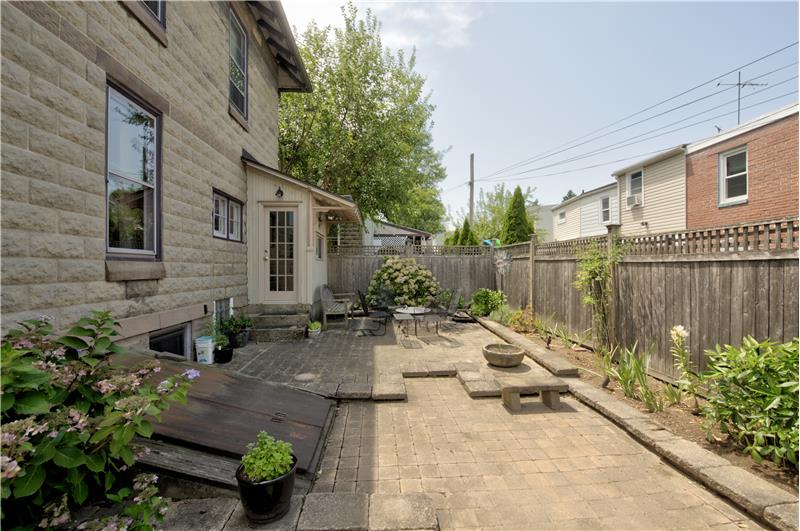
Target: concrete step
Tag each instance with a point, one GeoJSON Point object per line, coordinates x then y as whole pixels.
{"type": "Point", "coordinates": [279, 320]}
{"type": "Point", "coordinates": [267, 335]}
{"type": "Point", "coordinates": [277, 309]}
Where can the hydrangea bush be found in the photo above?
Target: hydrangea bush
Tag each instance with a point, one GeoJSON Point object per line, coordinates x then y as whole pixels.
{"type": "Point", "coordinates": [405, 282]}
{"type": "Point", "coordinates": [69, 417]}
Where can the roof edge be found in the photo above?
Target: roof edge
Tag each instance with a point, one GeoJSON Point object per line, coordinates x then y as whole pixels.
{"type": "Point", "coordinates": [584, 194]}
{"type": "Point", "coordinates": [751, 125]}
{"type": "Point", "coordinates": [658, 157]}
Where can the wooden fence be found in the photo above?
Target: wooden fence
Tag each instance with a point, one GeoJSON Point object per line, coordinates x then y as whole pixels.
{"type": "Point", "coordinates": [721, 284]}
{"type": "Point", "coordinates": [350, 268]}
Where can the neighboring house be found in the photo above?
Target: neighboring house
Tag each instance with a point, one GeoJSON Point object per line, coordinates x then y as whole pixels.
{"type": "Point", "coordinates": [746, 174]}
{"type": "Point", "coordinates": [587, 214]}
{"type": "Point", "coordinates": [385, 233]}
{"type": "Point", "coordinates": [137, 152]}
{"type": "Point", "coordinates": [652, 193]}
{"type": "Point", "coordinates": [543, 222]}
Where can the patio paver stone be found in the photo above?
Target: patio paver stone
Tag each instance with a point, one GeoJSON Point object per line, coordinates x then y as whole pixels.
{"type": "Point", "coordinates": [335, 511]}
{"type": "Point", "coordinates": [354, 391]}
{"type": "Point", "coordinates": [389, 391]}
{"type": "Point", "coordinates": [390, 512]}
{"type": "Point", "coordinates": [199, 513]}
{"type": "Point", "coordinates": [239, 522]}
{"type": "Point", "coordinates": [481, 388]}
{"type": "Point", "coordinates": [782, 516]}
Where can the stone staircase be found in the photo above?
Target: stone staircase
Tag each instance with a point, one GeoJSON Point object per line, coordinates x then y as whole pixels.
{"type": "Point", "coordinates": [278, 322]}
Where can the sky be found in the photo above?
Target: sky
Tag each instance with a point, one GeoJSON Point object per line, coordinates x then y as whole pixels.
{"type": "Point", "coordinates": [516, 81]}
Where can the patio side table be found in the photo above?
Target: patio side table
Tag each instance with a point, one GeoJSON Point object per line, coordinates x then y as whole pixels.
{"type": "Point", "coordinates": [403, 319]}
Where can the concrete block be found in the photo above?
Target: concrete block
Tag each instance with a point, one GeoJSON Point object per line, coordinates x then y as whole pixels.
{"type": "Point", "coordinates": [783, 517]}
{"type": "Point", "coordinates": [389, 391]}
{"type": "Point", "coordinates": [388, 512]}
{"type": "Point", "coordinates": [199, 513]}
{"type": "Point", "coordinates": [354, 391]}
{"type": "Point", "coordinates": [747, 490]}
{"type": "Point", "coordinates": [239, 522]}
{"type": "Point", "coordinates": [689, 456]}
{"type": "Point", "coordinates": [441, 369]}
{"type": "Point", "coordinates": [481, 388]}
{"type": "Point", "coordinates": [335, 511]}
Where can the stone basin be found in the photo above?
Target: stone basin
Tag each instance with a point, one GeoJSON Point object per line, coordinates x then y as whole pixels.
{"type": "Point", "coordinates": [503, 355]}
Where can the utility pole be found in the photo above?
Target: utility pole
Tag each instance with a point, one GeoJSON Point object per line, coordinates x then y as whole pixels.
{"type": "Point", "coordinates": [471, 187]}
{"type": "Point", "coordinates": [739, 86]}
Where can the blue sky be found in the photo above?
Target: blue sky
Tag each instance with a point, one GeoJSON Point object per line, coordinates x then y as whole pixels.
{"type": "Point", "coordinates": [514, 80]}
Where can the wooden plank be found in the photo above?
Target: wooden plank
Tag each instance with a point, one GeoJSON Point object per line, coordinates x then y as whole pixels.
{"type": "Point", "coordinates": [695, 331]}
{"type": "Point", "coordinates": [188, 463]}
{"type": "Point", "coordinates": [736, 303]}
{"type": "Point", "coordinates": [790, 301]}
{"type": "Point", "coordinates": [775, 306]}
{"type": "Point", "coordinates": [762, 301]}
{"type": "Point", "coordinates": [724, 326]}
{"type": "Point", "coordinates": [749, 291]}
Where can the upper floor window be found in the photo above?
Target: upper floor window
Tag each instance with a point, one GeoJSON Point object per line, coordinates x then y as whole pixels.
{"type": "Point", "coordinates": [605, 210]}
{"type": "Point", "coordinates": [227, 217]}
{"type": "Point", "coordinates": [156, 8]}
{"type": "Point", "coordinates": [733, 176]}
{"type": "Point", "coordinates": [635, 187]}
{"type": "Point", "coordinates": [562, 217]}
{"type": "Point", "coordinates": [132, 176]}
{"type": "Point", "coordinates": [237, 65]}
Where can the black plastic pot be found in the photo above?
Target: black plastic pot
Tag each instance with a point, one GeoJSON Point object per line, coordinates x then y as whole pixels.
{"type": "Point", "coordinates": [239, 340]}
{"type": "Point", "coordinates": [266, 501]}
{"type": "Point", "coordinates": [223, 355]}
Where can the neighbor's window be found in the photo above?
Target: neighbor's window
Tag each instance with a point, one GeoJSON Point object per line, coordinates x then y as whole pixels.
{"type": "Point", "coordinates": [132, 176]}
{"type": "Point", "coordinates": [733, 175]}
{"type": "Point", "coordinates": [562, 217]}
{"type": "Point", "coordinates": [156, 8]}
{"type": "Point", "coordinates": [238, 66]}
{"type": "Point", "coordinates": [320, 246]}
{"type": "Point", "coordinates": [635, 183]}
{"type": "Point", "coordinates": [227, 218]}
{"type": "Point", "coordinates": [605, 209]}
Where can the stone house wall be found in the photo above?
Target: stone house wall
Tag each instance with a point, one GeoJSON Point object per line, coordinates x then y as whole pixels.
{"type": "Point", "coordinates": [57, 59]}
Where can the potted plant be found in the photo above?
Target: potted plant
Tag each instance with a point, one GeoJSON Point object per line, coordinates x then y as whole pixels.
{"type": "Point", "coordinates": [223, 352]}
{"type": "Point", "coordinates": [314, 328]}
{"type": "Point", "coordinates": [266, 479]}
{"type": "Point", "coordinates": [237, 328]}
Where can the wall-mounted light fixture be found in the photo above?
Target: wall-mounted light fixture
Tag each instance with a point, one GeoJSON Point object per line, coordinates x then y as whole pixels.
{"type": "Point", "coordinates": [279, 193]}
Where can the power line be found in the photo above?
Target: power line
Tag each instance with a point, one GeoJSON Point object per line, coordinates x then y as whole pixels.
{"type": "Point", "coordinates": [609, 133]}
{"type": "Point", "coordinates": [613, 147]}
{"type": "Point", "coordinates": [515, 165]}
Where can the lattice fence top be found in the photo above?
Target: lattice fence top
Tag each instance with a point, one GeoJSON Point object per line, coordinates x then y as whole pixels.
{"type": "Point", "coordinates": [409, 250]}
{"type": "Point", "coordinates": [568, 247]}
{"type": "Point", "coordinates": [516, 249]}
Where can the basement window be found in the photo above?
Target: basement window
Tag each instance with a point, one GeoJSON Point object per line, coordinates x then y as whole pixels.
{"type": "Point", "coordinates": [175, 340]}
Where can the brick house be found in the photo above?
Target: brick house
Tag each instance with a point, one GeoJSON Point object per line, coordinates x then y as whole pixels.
{"type": "Point", "coordinates": [139, 141]}
{"type": "Point", "coordinates": [746, 174]}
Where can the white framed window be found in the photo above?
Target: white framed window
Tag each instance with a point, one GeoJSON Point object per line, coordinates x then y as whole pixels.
{"type": "Point", "coordinates": [223, 308]}
{"type": "Point", "coordinates": [132, 179]}
{"type": "Point", "coordinates": [733, 176]}
{"type": "Point", "coordinates": [605, 209]}
{"type": "Point", "coordinates": [635, 189]}
{"type": "Point", "coordinates": [237, 67]}
{"type": "Point", "coordinates": [319, 248]}
{"type": "Point", "coordinates": [562, 217]}
{"type": "Point", "coordinates": [227, 216]}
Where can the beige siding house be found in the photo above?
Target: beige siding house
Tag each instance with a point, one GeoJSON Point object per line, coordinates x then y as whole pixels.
{"type": "Point", "coordinates": [652, 193]}
{"type": "Point", "coordinates": [124, 185]}
{"type": "Point", "coordinates": [587, 214]}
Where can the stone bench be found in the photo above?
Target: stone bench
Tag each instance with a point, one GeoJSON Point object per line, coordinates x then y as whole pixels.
{"type": "Point", "coordinates": [548, 387]}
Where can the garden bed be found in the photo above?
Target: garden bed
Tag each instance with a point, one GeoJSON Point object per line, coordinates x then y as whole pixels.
{"type": "Point", "coordinates": [679, 419]}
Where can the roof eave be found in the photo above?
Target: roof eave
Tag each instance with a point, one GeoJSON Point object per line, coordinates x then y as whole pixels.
{"type": "Point", "coordinates": [279, 39]}
{"type": "Point", "coordinates": [677, 150]}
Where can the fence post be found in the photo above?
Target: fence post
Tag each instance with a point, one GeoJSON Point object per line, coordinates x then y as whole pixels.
{"type": "Point", "coordinates": [493, 266]}
{"type": "Point", "coordinates": [409, 250]}
{"type": "Point", "coordinates": [613, 234]}
{"type": "Point", "coordinates": [531, 272]}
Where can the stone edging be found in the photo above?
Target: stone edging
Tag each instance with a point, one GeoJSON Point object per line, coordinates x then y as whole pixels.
{"type": "Point", "coordinates": [757, 497]}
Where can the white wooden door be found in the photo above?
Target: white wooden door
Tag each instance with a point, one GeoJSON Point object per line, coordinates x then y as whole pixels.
{"type": "Point", "coordinates": [280, 254]}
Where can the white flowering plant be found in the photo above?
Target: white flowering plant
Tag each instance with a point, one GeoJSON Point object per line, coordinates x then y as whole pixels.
{"type": "Point", "coordinates": [69, 417]}
{"type": "Point", "coordinates": [405, 281]}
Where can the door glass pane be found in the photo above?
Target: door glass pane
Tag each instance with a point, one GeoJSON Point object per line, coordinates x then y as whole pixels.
{"type": "Point", "coordinates": [281, 284]}
{"type": "Point", "coordinates": [281, 263]}
{"type": "Point", "coordinates": [130, 215]}
{"type": "Point", "coordinates": [273, 283]}
{"type": "Point", "coordinates": [290, 218]}
{"type": "Point", "coordinates": [289, 284]}
{"type": "Point", "coordinates": [737, 186]}
{"type": "Point", "coordinates": [281, 219]}
{"type": "Point", "coordinates": [131, 140]}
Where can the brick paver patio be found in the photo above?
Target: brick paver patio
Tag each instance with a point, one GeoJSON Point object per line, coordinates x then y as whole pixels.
{"type": "Point", "coordinates": [482, 466]}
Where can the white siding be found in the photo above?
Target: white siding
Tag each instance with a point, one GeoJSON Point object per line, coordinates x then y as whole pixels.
{"type": "Point", "coordinates": [591, 222]}
{"type": "Point", "coordinates": [663, 199]}
{"type": "Point", "coordinates": [571, 228]}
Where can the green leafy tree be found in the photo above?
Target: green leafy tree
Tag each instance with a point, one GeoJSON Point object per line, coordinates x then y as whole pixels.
{"type": "Point", "coordinates": [467, 236]}
{"type": "Point", "coordinates": [569, 195]}
{"type": "Point", "coordinates": [517, 226]}
{"type": "Point", "coordinates": [365, 130]}
{"type": "Point", "coordinates": [454, 238]}
{"type": "Point", "coordinates": [491, 208]}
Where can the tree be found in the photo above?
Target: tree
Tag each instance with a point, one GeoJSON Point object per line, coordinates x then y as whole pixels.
{"type": "Point", "coordinates": [467, 236]}
{"type": "Point", "coordinates": [365, 130]}
{"type": "Point", "coordinates": [570, 195]}
{"type": "Point", "coordinates": [517, 226]}
{"type": "Point", "coordinates": [491, 207]}
{"type": "Point", "coordinates": [454, 238]}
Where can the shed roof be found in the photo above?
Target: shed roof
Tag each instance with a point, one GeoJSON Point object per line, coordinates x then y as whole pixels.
{"type": "Point", "coordinates": [584, 194]}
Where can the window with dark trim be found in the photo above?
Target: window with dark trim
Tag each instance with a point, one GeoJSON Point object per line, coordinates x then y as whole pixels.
{"type": "Point", "coordinates": [133, 137]}
{"type": "Point", "coordinates": [157, 8]}
{"type": "Point", "coordinates": [237, 75]}
{"type": "Point", "coordinates": [227, 217]}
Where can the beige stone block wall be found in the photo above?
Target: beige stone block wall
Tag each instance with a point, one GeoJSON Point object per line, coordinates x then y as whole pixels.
{"type": "Point", "coordinates": [56, 58]}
